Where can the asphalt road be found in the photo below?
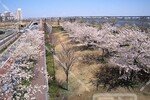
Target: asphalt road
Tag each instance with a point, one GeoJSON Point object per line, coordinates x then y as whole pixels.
{"type": "Point", "coordinates": [5, 40]}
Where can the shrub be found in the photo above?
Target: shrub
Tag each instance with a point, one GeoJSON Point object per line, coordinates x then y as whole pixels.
{"type": "Point", "coordinates": [112, 77]}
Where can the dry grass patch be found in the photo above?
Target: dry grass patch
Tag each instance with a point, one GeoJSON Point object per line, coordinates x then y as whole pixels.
{"type": "Point", "coordinates": [82, 72]}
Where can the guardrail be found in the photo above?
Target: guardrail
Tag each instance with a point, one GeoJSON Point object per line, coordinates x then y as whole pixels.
{"type": "Point", "coordinates": [28, 26]}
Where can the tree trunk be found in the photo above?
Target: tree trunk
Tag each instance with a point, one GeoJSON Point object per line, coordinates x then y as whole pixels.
{"type": "Point", "coordinates": [54, 67]}
{"type": "Point", "coordinates": [67, 79]}
{"type": "Point", "coordinates": [97, 85]}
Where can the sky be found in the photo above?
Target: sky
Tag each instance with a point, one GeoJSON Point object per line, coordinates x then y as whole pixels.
{"type": "Point", "coordinates": [62, 8]}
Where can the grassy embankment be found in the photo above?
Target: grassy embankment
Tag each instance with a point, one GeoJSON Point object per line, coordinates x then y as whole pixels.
{"type": "Point", "coordinates": [53, 85]}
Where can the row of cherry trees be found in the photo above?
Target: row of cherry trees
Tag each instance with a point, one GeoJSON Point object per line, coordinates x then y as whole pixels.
{"type": "Point", "coordinates": [127, 47]}
{"type": "Point", "coordinates": [17, 81]}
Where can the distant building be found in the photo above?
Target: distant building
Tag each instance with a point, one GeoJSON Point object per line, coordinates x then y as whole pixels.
{"type": "Point", "coordinates": [7, 14]}
{"type": "Point", "coordinates": [19, 14]}
{"type": "Point", "coordinates": [10, 17]}
{"type": "Point", "coordinates": [7, 17]}
{"type": "Point", "coordinates": [3, 17]}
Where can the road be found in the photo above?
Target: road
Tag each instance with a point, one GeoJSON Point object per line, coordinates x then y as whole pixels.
{"type": "Point", "coordinates": [5, 40]}
{"type": "Point", "coordinates": [7, 53]}
{"type": "Point", "coordinates": [7, 33]}
{"type": "Point", "coordinates": [13, 34]}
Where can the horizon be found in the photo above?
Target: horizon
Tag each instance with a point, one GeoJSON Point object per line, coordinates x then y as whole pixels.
{"type": "Point", "coordinates": [67, 8]}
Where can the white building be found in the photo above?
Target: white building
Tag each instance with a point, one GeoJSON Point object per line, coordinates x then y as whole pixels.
{"type": "Point", "coordinates": [19, 14]}
{"type": "Point", "coordinates": [7, 17]}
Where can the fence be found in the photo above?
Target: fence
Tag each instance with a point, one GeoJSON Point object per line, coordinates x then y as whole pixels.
{"type": "Point", "coordinates": [47, 28]}
{"type": "Point", "coordinates": [48, 31]}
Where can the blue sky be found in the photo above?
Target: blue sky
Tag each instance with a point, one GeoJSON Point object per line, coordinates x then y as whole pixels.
{"type": "Point", "coordinates": [55, 8]}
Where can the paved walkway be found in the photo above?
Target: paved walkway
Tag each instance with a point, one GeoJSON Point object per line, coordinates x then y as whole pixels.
{"type": "Point", "coordinates": [39, 82]}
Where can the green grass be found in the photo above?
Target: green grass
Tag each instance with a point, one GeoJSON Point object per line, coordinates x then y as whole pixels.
{"type": "Point", "coordinates": [53, 86]}
{"type": "Point", "coordinates": [50, 63]}
{"type": "Point", "coordinates": [54, 89]}
{"type": "Point", "coordinates": [57, 29]}
{"type": "Point", "coordinates": [2, 50]}
{"type": "Point", "coordinates": [26, 82]}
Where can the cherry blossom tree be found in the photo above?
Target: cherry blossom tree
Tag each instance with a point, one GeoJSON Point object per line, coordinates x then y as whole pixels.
{"type": "Point", "coordinates": [127, 47]}
{"type": "Point", "coordinates": [16, 82]}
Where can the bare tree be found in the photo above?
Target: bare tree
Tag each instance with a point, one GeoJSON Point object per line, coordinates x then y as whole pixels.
{"type": "Point", "coordinates": [66, 60]}
{"type": "Point", "coordinates": [54, 42]}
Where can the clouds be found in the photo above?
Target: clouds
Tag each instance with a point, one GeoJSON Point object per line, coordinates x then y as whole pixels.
{"type": "Point", "coordinates": [4, 6]}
